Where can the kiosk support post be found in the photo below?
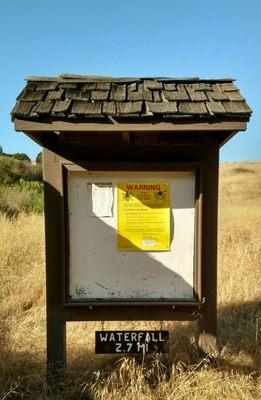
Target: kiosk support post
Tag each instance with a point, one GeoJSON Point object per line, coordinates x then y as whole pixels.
{"type": "Point", "coordinates": [207, 324]}
{"type": "Point", "coordinates": [56, 326]}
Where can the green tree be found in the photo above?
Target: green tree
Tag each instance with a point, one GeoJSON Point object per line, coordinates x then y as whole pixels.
{"type": "Point", "coordinates": [39, 158]}
{"type": "Point", "coordinates": [21, 157]}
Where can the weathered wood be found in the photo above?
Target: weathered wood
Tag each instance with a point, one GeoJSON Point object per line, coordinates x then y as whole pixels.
{"type": "Point", "coordinates": [169, 86]}
{"type": "Point", "coordinates": [44, 107]}
{"type": "Point", "coordinates": [89, 86]}
{"type": "Point", "coordinates": [237, 107]}
{"type": "Point", "coordinates": [99, 95]}
{"type": "Point", "coordinates": [135, 95]}
{"type": "Point", "coordinates": [156, 96]}
{"type": "Point", "coordinates": [194, 94]}
{"type": "Point", "coordinates": [82, 107]}
{"type": "Point", "coordinates": [132, 87]}
{"type": "Point", "coordinates": [227, 87]}
{"type": "Point", "coordinates": [175, 125]}
{"type": "Point", "coordinates": [55, 94]}
{"type": "Point", "coordinates": [30, 86]}
{"type": "Point", "coordinates": [202, 86]}
{"type": "Point", "coordinates": [31, 96]}
{"type": "Point", "coordinates": [216, 93]}
{"type": "Point", "coordinates": [193, 108]}
{"type": "Point", "coordinates": [41, 79]}
{"type": "Point", "coordinates": [215, 107]}
{"type": "Point", "coordinates": [24, 108]}
{"type": "Point", "coordinates": [147, 94]}
{"type": "Point", "coordinates": [68, 85]}
{"type": "Point", "coordinates": [46, 86]}
{"type": "Point", "coordinates": [179, 94]}
{"type": "Point", "coordinates": [93, 78]}
{"type": "Point", "coordinates": [61, 106]}
{"type": "Point", "coordinates": [109, 108]}
{"type": "Point", "coordinates": [103, 86]}
{"type": "Point", "coordinates": [162, 108]}
{"type": "Point", "coordinates": [152, 84]}
{"type": "Point", "coordinates": [129, 108]}
{"type": "Point", "coordinates": [76, 94]}
{"type": "Point", "coordinates": [154, 90]}
{"type": "Point", "coordinates": [234, 96]}
{"type": "Point", "coordinates": [118, 93]}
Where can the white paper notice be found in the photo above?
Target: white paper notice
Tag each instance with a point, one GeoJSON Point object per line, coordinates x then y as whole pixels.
{"type": "Point", "coordinates": [101, 199]}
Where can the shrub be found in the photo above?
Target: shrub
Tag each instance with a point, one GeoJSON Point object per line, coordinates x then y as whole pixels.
{"type": "Point", "coordinates": [34, 173]}
{"type": "Point", "coordinates": [243, 170]}
{"type": "Point", "coordinates": [21, 156]}
{"type": "Point", "coordinates": [11, 170]}
{"type": "Point", "coordinates": [21, 198]}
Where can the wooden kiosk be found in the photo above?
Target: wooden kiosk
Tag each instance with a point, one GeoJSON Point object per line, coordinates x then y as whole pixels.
{"type": "Point", "coordinates": [99, 134]}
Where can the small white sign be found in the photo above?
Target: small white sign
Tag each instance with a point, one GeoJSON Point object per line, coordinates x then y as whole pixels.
{"type": "Point", "coordinates": [101, 199]}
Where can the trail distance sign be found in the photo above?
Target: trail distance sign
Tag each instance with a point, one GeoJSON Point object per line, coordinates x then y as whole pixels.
{"type": "Point", "coordinates": [131, 342]}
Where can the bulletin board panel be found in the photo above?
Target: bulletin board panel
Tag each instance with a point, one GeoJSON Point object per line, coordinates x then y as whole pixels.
{"type": "Point", "coordinates": [98, 271]}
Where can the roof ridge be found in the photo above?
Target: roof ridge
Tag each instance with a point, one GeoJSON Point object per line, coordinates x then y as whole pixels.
{"type": "Point", "coordinates": [96, 78]}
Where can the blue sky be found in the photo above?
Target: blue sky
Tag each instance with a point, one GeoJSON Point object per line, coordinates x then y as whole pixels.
{"type": "Point", "coordinates": [205, 38]}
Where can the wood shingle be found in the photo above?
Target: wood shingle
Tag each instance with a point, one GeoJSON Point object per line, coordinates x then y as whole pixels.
{"type": "Point", "coordinates": [61, 106]}
{"type": "Point", "coordinates": [193, 108]}
{"type": "Point", "coordinates": [179, 94]}
{"type": "Point", "coordinates": [215, 107]}
{"type": "Point", "coordinates": [162, 108]}
{"type": "Point", "coordinates": [99, 95]}
{"type": "Point", "coordinates": [77, 94]}
{"type": "Point", "coordinates": [118, 93]}
{"type": "Point", "coordinates": [44, 107]}
{"type": "Point", "coordinates": [236, 107]}
{"type": "Point", "coordinates": [83, 107]}
{"type": "Point", "coordinates": [74, 96]}
{"type": "Point", "coordinates": [134, 107]}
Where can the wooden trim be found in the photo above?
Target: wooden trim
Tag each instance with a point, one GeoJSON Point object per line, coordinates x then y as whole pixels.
{"type": "Point", "coordinates": [56, 329]}
{"type": "Point", "coordinates": [132, 302]}
{"type": "Point", "coordinates": [132, 166]}
{"type": "Point", "coordinates": [198, 232]}
{"type": "Point", "coordinates": [154, 312]}
{"type": "Point", "coordinates": [161, 126]}
{"type": "Point", "coordinates": [229, 136]}
{"type": "Point", "coordinates": [160, 166]}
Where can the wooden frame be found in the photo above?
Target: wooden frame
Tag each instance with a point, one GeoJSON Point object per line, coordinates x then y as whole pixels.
{"type": "Point", "coordinates": [193, 166]}
{"type": "Point", "coordinates": [58, 312]}
{"type": "Point", "coordinates": [123, 125]}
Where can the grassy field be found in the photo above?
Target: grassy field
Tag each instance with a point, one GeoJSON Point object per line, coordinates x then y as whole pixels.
{"type": "Point", "coordinates": [180, 375]}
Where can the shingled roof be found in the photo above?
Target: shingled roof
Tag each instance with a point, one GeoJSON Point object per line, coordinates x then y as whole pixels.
{"type": "Point", "coordinates": [75, 96]}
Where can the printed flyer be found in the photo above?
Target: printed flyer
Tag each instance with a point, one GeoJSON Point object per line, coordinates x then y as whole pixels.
{"type": "Point", "coordinates": [143, 216]}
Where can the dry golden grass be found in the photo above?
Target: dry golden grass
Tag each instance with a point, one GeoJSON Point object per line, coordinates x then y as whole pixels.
{"type": "Point", "coordinates": [181, 375]}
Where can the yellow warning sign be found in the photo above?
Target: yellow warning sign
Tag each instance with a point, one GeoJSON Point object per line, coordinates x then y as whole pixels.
{"type": "Point", "coordinates": [143, 216]}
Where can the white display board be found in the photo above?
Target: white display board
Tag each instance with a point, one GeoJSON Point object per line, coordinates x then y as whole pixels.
{"type": "Point", "coordinates": [97, 270]}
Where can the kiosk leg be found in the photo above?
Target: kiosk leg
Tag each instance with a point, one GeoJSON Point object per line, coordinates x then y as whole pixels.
{"type": "Point", "coordinates": [56, 348]}
{"type": "Point", "coordinates": [208, 323]}
{"type": "Point", "coordinates": [207, 341]}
